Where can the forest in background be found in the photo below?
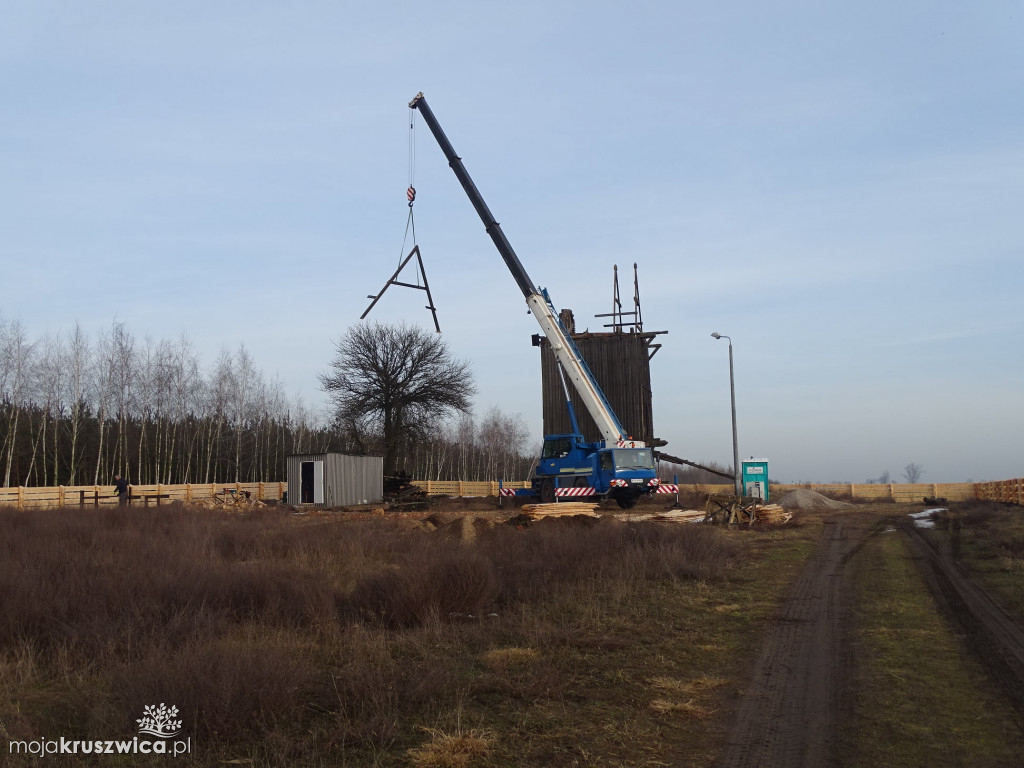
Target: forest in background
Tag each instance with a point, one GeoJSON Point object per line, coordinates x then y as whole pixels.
{"type": "Point", "coordinates": [76, 411]}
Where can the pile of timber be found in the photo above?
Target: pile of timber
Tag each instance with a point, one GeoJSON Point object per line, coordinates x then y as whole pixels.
{"type": "Point", "coordinates": [230, 501]}
{"type": "Point", "coordinates": [561, 509]}
{"type": "Point", "coordinates": [772, 513]}
{"type": "Point", "coordinates": [400, 493]}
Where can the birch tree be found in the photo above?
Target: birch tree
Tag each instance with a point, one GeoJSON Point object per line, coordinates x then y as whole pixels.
{"type": "Point", "coordinates": [15, 365]}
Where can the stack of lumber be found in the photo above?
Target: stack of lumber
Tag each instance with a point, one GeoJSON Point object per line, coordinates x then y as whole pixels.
{"type": "Point", "coordinates": [772, 513]}
{"type": "Point", "coordinates": [561, 509]}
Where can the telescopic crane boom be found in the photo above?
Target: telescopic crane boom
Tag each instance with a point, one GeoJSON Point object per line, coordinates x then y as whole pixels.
{"type": "Point", "coordinates": [562, 345]}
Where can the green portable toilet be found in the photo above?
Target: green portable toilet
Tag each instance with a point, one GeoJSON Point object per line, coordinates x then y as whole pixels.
{"type": "Point", "coordinates": [755, 478]}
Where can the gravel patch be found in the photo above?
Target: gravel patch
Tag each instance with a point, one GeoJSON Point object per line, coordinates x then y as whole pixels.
{"type": "Point", "coordinates": [802, 498]}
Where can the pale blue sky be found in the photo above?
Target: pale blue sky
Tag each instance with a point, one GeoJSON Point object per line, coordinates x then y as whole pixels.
{"type": "Point", "coordinates": [835, 185]}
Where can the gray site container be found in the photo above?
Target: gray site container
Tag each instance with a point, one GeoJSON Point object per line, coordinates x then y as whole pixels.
{"type": "Point", "coordinates": [335, 479]}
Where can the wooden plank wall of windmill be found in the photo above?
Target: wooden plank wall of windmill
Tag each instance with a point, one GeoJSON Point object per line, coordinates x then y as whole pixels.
{"type": "Point", "coordinates": [621, 364]}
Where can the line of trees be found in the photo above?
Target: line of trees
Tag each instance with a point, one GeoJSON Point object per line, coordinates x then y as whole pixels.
{"type": "Point", "coordinates": [687, 475]}
{"type": "Point", "coordinates": [496, 448]}
{"type": "Point", "coordinates": [76, 410]}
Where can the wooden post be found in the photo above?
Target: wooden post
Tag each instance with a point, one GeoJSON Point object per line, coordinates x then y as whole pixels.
{"type": "Point", "coordinates": [259, 492]}
{"type": "Point", "coordinates": [21, 497]}
{"type": "Point", "coordinates": [460, 489]}
{"type": "Point", "coordinates": [60, 496]}
{"type": "Point", "coordinates": [892, 496]}
{"type": "Point", "coordinates": [188, 492]}
{"type": "Point", "coordinates": [853, 491]}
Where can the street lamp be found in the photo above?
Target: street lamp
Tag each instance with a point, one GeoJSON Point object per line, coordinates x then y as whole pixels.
{"type": "Point", "coordinates": [732, 394]}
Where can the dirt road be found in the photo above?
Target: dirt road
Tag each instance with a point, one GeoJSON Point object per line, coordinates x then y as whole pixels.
{"type": "Point", "coordinates": [789, 714]}
{"type": "Point", "coordinates": [994, 637]}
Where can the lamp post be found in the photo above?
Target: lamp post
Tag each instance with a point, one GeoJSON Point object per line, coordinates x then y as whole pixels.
{"type": "Point", "coordinates": [732, 395]}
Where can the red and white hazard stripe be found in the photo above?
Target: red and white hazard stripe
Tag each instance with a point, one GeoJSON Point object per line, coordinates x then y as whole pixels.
{"type": "Point", "coordinates": [583, 491]}
{"type": "Point", "coordinates": [625, 443]}
{"type": "Point", "coordinates": [508, 491]}
{"type": "Point", "coordinates": [667, 488]}
{"type": "Point", "coordinates": [618, 483]}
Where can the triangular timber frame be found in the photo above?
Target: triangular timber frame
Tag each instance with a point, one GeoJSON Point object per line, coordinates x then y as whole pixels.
{"type": "Point", "coordinates": [393, 281]}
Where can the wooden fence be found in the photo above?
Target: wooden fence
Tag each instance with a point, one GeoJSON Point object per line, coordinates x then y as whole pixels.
{"type": "Point", "coordinates": [900, 493]}
{"type": "Point", "coordinates": [141, 495]}
{"type": "Point", "coordinates": [1011, 491]}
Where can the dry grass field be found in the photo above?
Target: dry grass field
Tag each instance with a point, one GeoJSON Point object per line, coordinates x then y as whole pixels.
{"type": "Point", "coordinates": [327, 641]}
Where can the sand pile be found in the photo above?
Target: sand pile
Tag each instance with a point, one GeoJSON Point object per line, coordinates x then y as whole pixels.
{"type": "Point", "coordinates": [802, 498]}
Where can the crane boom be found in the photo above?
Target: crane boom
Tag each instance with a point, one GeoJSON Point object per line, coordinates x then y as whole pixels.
{"type": "Point", "coordinates": [539, 302]}
{"type": "Point", "coordinates": [490, 224]}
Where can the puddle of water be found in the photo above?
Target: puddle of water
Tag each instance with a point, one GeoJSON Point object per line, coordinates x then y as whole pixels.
{"type": "Point", "coordinates": [925, 518]}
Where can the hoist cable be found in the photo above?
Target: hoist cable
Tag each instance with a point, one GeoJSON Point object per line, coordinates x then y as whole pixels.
{"type": "Point", "coordinates": [410, 192]}
{"type": "Point", "coordinates": [412, 148]}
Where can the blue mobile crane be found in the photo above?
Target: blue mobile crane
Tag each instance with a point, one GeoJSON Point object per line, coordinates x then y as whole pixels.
{"type": "Point", "coordinates": [617, 466]}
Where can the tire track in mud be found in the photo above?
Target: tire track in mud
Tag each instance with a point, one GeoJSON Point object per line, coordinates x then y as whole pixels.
{"type": "Point", "coordinates": [996, 638]}
{"type": "Point", "coordinates": [788, 715]}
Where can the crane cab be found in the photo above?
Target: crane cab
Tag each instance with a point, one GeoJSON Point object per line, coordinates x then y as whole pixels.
{"type": "Point", "coordinates": [570, 466]}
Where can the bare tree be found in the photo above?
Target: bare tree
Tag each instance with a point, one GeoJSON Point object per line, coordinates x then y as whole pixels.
{"type": "Point", "coordinates": [15, 366]}
{"type": "Point", "coordinates": [912, 472]}
{"type": "Point", "coordinates": [245, 392]}
{"type": "Point", "coordinates": [185, 383]}
{"type": "Point", "coordinates": [401, 378]}
{"type": "Point", "coordinates": [76, 363]}
{"type": "Point", "coordinates": [215, 408]}
{"type": "Point", "coordinates": [48, 374]}
{"type": "Point", "coordinates": [465, 437]}
{"type": "Point", "coordinates": [115, 374]}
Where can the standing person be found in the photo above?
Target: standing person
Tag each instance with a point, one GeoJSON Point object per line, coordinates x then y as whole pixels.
{"type": "Point", "coordinates": [121, 489]}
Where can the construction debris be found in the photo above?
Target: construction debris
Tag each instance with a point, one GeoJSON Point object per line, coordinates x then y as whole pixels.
{"type": "Point", "coordinates": [230, 501]}
{"type": "Point", "coordinates": [726, 509]}
{"type": "Point", "coordinates": [680, 516]}
{"type": "Point", "coordinates": [401, 493]}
